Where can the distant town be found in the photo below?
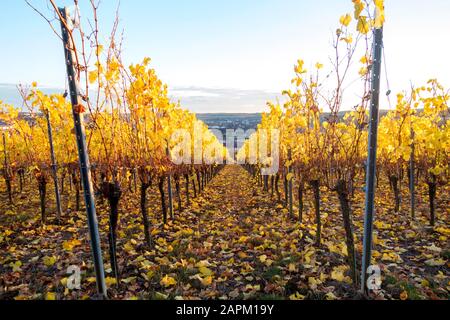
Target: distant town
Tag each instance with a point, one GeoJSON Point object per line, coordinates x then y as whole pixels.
{"type": "Point", "coordinates": [231, 121]}
{"type": "Point", "coordinates": [224, 121]}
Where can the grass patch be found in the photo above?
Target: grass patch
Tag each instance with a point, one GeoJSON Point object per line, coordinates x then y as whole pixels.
{"type": "Point", "coordinates": [390, 280]}
{"type": "Point", "coordinates": [272, 272]}
{"type": "Point", "coordinates": [411, 290]}
{"type": "Point", "coordinates": [183, 274]}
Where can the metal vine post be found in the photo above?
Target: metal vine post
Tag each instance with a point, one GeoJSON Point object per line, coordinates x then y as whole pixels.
{"type": "Point", "coordinates": [85, 167]}
{"type": "Point", "coordinates": [372, 156]}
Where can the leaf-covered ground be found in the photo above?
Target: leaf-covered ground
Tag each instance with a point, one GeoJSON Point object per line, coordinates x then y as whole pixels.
{"type": "Point", "coordinates": [233, 242]}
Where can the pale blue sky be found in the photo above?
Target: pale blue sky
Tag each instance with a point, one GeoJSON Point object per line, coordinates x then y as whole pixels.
{"type": "Point", "coordinates": [233, 44]}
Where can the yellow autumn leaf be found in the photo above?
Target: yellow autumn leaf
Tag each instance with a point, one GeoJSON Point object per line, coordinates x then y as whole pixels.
{"type": "Point", "coordinates": [161, 296]}
{"type": "Point", "coordinates": [337, 275]}
{"type": "Point", "coordinates": [296, 296]}
{"type": "Point", "coordinates": [150, 275]}
{"type": "Point", "coordinates": [50, 296]}
{"type": "Point", "coordinates": [243, 239]}
{"type": "Point", "coordinates": [314, 282]}
{"type": "Point", "coordinates": [128, 280]}
{"type": "Point", "coordinates": [168, 281]}
{"type": "Point", "coordinates": [207, 281]}
{"type": "Point", "coordinates": [93, 76]}
{"type": "Point", "coordinates": [70, 245]}
{"type": "Point", "coordinates": [91, 279]}
{"type": "Point", "coordinates": [100, 49]}
{"type": "Point", "coordinates": [16, 266]}
{"type": "Point", "coordinates": [364, 60]}
{"type": "Point", "coordinates": [443, 230]}
{"type": "Point", "coordinates": [345, 20]}
{"type": "Point", "coordinates": [379, 4]}
{"type": "Point", "coordinates": [363, 71]}
{"type": "Point", "coordinates": [425, 283]}
{"type": "Point", "coordinates": [435, 262]}
{"type": "Point", "coordinates": [205, 271]}
{"type": "Point", "coordinates": [330, 296]}
{"type": "Point", "coordinates": [348, 39]}
{"type": "Point", "coordinates": [110, 281]}
{"type": "Point", "coordinates": [268, 262]}
{"type": "Point", "coordinates": [203, 263]}
{"type": "Point", "coordinates": [404, 296]}
{"type": "Point", "coordinates": [308, 255]}
{"type": "Point", "coordinates": [49, 261]}
{"type": "Point", "coordinates": [359, 7]}
{"type": "Point", "coordinates": [242, 255]}
{"type": "Point", "coordinates": [379, 14]}
{"type": "Point", "coordinates": [63, 281]}
{"type": "Point", "coordinates": [128, 247]}
{"type": "Point", "coordinates": [363, 25]}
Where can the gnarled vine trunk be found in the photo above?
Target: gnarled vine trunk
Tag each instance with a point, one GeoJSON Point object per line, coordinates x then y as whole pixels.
{"type": "Point", "coordinates": [163, 199]}
{"type": "Point", "coordinates": [21, 173]}
{"type": "Point", "coordinates": [432, 190]}
{"type": "Point", "coordinates": [199, 182]}
{"type": "Point", "coordinates": [178, 192]}
{"type": "Point", "coordinates": [286, 192]}
{"type": "Point", "coordinates": [346, 211]}
{"type": "Point", "coordinates": [144, 212]}
{"type": "Point", "coordinates": [395, 188]}
{"type": "Point", "coordinates": [301, 189]}
{"type": "Point", "coordinates": [315, 184]}
{"type": "Point", "coordinates": [42, 185]}
{"type": "Point", "coordinates": [272, 186]}
{"type": "Point", "coordinates": [113, 192]}
{"type": "Point", "coordinates": [194, 187]}
{"type": "Point", "coordinates": [277, 187]}
{"type": "Point", "coordinates": [266, 183]}
{"type": "Point", "coordinates": [188, 200]}
{"type": "Point", "coordinates": [9, 189]}
{"type": "Point", "coordinates": [63, 178]}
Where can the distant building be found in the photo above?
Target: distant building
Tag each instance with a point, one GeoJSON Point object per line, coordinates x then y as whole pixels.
{"type": "Point", "coordinates": [4, 126]}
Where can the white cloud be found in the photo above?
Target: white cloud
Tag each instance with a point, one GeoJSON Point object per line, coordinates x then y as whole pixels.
{"type": "Point", "coordinates": [190, 93]}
